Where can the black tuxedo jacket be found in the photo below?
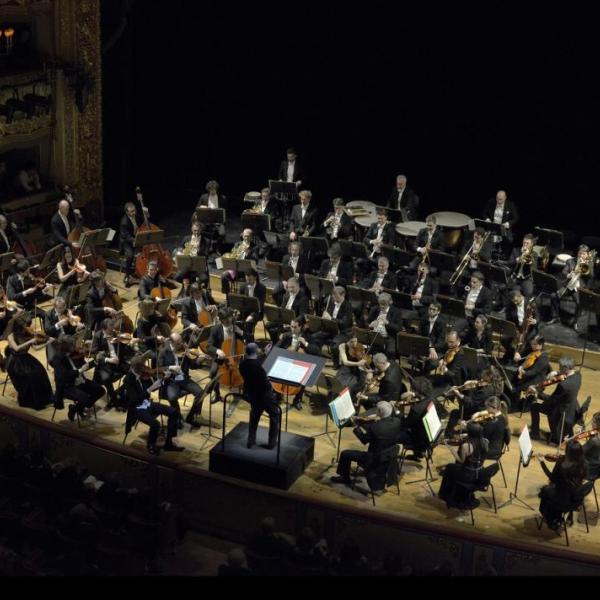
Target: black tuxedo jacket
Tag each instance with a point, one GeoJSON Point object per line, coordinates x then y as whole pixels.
{"type": "Point", "coordinates": [257, 387]}
{"type": "Point", "coordinates": [483, 304]}
{"type": "Point", "coordinates": [512, 315]}
{"type": "Point", "coordinates": [437, 337]}
{"type": "Point", "coordinates": [485, 254]}
{"type": "Point", "coordinates": [345, 229]}
{"type": "Point", "coordinates": [303, 264]}
{"type": "Point", "coordinates": [203, 250]}
{"type": "Point", "coordinates": [510, 214]}
{"type": "Point", "coordinates": [285, 342]}
{"type": "Point", "coordinates": [537, 372]}
{"type": "Point", "coordinates": [391, 386]}
{"type": "Point", "coordinates": [50, 328]}
{"type": "Point", "coordinates": [381, 435]}
{"type": "Point", "coordinates": [204, 201]}
{"type": "Point", "coordinates": [486, 343]}
{"type": "Point", "coordinates": [299, 225]}
{"type": "Point", "coordinates": [189, 312]}
{"type": "Point", "coordinates": [430, 289]}
{"type": "Point", "coordinates": [58, 230]}
{"type": "Point", "coordinates": [389, 281]}
{"type": "Point", "coordinates": [345, 317]}
{"type": "Point", "coordinates": [389, 234]}
{"type": "Point", "coordinates": [437, 240]}
{"type": "Point", "coordinates": [512, 261]}
{"type": "Point", "coordinates": [409, 202]}
{"type": "Point", "coordinates": [300, 305]}
{"type": "Point", "coordinates": [564, 398]}
{"type": "Point", "coordinates": [260, 292]}
{"type": "Point", "coordinates": [394, 318]}
{"type": "Point", "coordinates": [126, 231]}
{"type": "Point", "coordinates": [299, 172]}
{"type": "Point", "coordinates": [456, 369]}
{"type": "Point", "coordinates": [94, 310]}
{"type": "Point", "coordinates": [344, 272]}
{"type": "Point", "coordinates": [64, 374]}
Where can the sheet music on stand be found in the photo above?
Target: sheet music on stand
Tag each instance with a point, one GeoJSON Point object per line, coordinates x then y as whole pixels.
{"type": "Point", "coordinates": [319, 288]}
{"type": "Point", "coordinates": [397, 257]}
{"type": "Point", "coordinates": [230, 264]}
{"type": "Point", "coordinates": [353, 249]}
{"type": "Point", "coordinates": [210, 216]}
{"type": "Point", "coordinates": [77, 294]}
{"type": "Point", "coordinates": [552, 238]}
{"type": "Point", "coordinates": [314, 245]}
{"type": "Point", "coordinates": [342, 409]}
{"type": "Point", "coordinates": [189, 264]}
{"type": "Point", "coordinates": [283, 190]}
{"type": "Point", "coordinates": [442, 261]}
{"type": "Point", "coordinates": [245, 304]}
{"type": "Point", "coordinates": [259, 223]}
{"type": "Point", "coordinates": [504, 328]}
{"type": "Point", "coordinates": [492, 228]}
{"type": "Point", "coordinates": [400, 299]}
{"type": "Point", "coordinates": [368, 338]}
{"type": "Point", "coordinates": [328, 326]}
{"type": "Point", "coordinates": [544, 282]}
{"type": "Point", "coordinates": [451, 306]}
{"type": "Point", "coordinates": [432, 423]}
{"type": "Point", "coordinates": [278, 272]}
{"type": "Point", "coordinates": [361, 295]}
{"type": "Point", "coordinates": [275, 314]}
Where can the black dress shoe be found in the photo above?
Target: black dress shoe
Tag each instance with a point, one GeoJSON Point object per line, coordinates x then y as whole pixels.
{"type": "Point", "coordinates": [338, 479]}
{"type": "Point", "coordinates": [193, 423]}
{"type": "Point", "coordinates": [298, 405]}
{"type": "Point", "coordinates": [271, 445]}
{"type": "Point", "coordinates": [59, 405]}
{"type": "Point", "coordinates": [169, 447]}
{"type": "Point", "coordinates": [216, 400]}
{"type": "Point", "coordinates": [535, 436]}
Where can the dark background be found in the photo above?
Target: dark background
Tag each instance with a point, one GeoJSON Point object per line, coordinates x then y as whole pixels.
{"type": "Point", "coordinates": [463, 98]}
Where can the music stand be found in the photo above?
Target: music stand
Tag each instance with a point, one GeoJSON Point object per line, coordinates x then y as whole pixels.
{"type": "Point", "coordinates": [361, 295]}
{"type": "Point", "coordinates": [409, 344]}
{"type": "Point", "coordinates": [495, 229]}
{"type": "Point", "coordinates": [328, 326]}
{"type": "Point", "coordinates": [281, 316]}
{"type": "Point", "coordinates": [191, 264]}
{"type": "Point", "coordinates": [452, 307]}
{"type": "Point", "coordinates": [148, 237]}
{"type": "Point", "coordinates": [245, 304]}
{"type": "Point", "coordinates": [471, 359]}
{"type": "Point", "coordinates": [400, 299]}
{"type": "Point", "coordinates": [552, 238]}
{"type": "Point", "coordinates": [544, 283]}
{"type": "Point", "coordinates": [278, 272]}
{"type": "Point", "coordinates": [51, 258]}
{"type": "Point", "coordinates": [397, 257]}
{"type": "Point", "coordinates": [239, 266]}
{"type": "Point", "coordinates": [442, 261]}
{"type": "Point", "coordinates": [525, 454]}
{"type": "Point", "coordinates": [506, 329]}
{"type": "Point", "coordinates": [492, 273]}
{"type": "Point", "coordinates": [341, 410]}
{"type": "Point", "coordinates": [77, 294]}
{"type": "Point", "coordinates": [371, 339]}
{"type": "Point", "coordinates": [276, 240]}
{"type": "Point", "coordinates": [257, 222]}
{"type": "Point", "coordinates": [286, 193]}
{"type": "Point", "coordinates": [210, 216]}
{"type": "Point", "coordinates": [6, 263]}
{"type": "Point", "coordinates": [314, 246]}
{"type": "Point", "coordinates": [319, 288]}
{"type": "Point", "coordinates": [353, 249]}
{"type": "Point", "coordinates": [590, 302]}
{"type": "Point", "coordinates": [293, 369]}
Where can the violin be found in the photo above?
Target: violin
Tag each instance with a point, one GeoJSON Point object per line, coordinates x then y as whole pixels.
{"type": "Point", "coordinates": [38, 336]}
{"type": "Point", "coordinates": [449, 357]}
{"type": "Point", "coordinates": [156, 373]}
{"type": "Point", "coordinates": [550, 381]}
{"type": "Point", "coordinates": [122, 338]}
{"type": "Point", "coordinates": [529, 361]}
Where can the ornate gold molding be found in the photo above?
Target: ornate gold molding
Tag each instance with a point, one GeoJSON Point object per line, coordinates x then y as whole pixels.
{"type": "Point", "coordinates": [26, 126]}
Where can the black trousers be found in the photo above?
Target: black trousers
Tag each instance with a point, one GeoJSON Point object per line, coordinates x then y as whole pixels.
{"type": "Point", "coordinates": [177, 389]}
{"type": "Point", "coordinates": [270, 406]}
{"type": "Point", "coordinates": [129, 254]}
{"type": "Point", "coordinates": [106, 375]}
{"type": "Point", "coordinates": [347, 457]}
{"type": "Point", "coordinates": [554, 420]}
{"type": "Point", "coordinates": [148, 416]}
{"type": "Point", "coordinates": [84, 395]}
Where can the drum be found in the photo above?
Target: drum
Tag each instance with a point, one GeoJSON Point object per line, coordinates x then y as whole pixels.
{"type": "Point", "coordinates": [253, 197]}
{"type": "Point", "coordinates": [367, 221]}
{"type": "Point", "coordinates": [358, 208]}
{"type": "Point", "coordinates": [410, 228]}
{"type": "Point", "coordinates": [453, 225]}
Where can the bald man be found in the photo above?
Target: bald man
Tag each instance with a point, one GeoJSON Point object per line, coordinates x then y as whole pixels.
{"type": "Point", "coordinates": [62, 224]}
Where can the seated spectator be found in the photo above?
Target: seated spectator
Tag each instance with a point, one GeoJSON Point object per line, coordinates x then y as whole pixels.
{"type": "Point", "coordinates": [351, 562]}
{"type": "Point", "coordinates": [309, 552]}
{"type": "Point", "coordinates": [236, 565]}
{"type": "Point", "coordinates": [28, 179]}
{"type": "Point", "coordinates": [268, 542]}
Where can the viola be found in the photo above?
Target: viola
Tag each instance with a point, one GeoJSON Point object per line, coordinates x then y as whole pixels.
{"type": "Point", "coordinates": [152, 252]}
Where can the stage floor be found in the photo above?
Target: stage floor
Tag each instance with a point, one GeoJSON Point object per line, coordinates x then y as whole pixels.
{"type": "Point", "coordinates": [415, 501]}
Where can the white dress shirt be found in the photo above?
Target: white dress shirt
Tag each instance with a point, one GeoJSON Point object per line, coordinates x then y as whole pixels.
{"type": "Point", "coordinates": [290, 171]}
{"type": "Point", "coordinates": [213, 201]}
{"type": "Point", "coordinates": [336, 310]}
{"type": "Point", "coordinates": [294, 263]}
{"type": "Point", "coordinates": [521, 313]}
{"type": "Point", "coordinates": [290, 302]}
{"type": "Point", "coordinates": [472, 299]}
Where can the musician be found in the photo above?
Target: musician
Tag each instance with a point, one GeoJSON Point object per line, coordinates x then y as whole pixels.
{"type": "Point", "coordinates": [150, 281]}
{"type": "Point", "coordinates": [70, 272]}
{"type": "Point", "coordinates": [473, 401]}
{"type": "Point", "coordinates": [479, 335]}
{"type": "Point", "coordinates": [60, 321]}
{"type": "Point", "coordinates": [299, 263]}
{"type": "Point", "coordinates": [70, 380]}
{"type": "Point", "coordinates": [337, 309]}
{"type": "Point", "coordinates": [141, 408]}
{"type": "Point", "coordinates": [112, 359]}
{"type": "Point", "coordinates": [502, 211]}
{"type": "Point", "coordinates": [253, 288]}
{"type": "Point", "coordinates": [151, 330]}
{"type": "Point", "coordinates": [431, 237]}
{"type": "Point", "coordinates": [268, 206]}
{"type": "Point", "coordinates": [450, 368]}
{"type": "Point", "coordinates": [128, 228]}
{"type": "Point", "coordinates": [291, 170]}
{"type": "Point", "coordinates": [477, 297]}
{"type": "Point", "coordinates": [524, 314]}
{"type": "Point", "coordinates": [422, 287]}
{"type": "Point", "coordinates": [404, 198]}
{"type": "Point", "coordinates": [591, 448]}
{"type": "Point", "coordinates": [304, 218]}
{"type": "Point", "coordinates": [21, 289]}
{"type": "Point", "coordinates": [195, 244]}
{"type": "Point", "coordinates": [226, 330]}
{"type": "Point", "coordinates": [62, 224]}
{"type": "Point", "coordinates": [382, 232]}
{"type": "Point", "coordinates": [174, 356]}
{"type": "Point", "coordinates": [353, 359]}
{"type": "Point", "coordinates": [294, 299]}
{"type": "Point", "coordinates": [495, 429]}
{"type": "Point", "coordinates": [532, 367]}
{"type": "Point", "coordinates": [381, 435]}
{"type": "Point", "coordinates": [522, 261]}
{"type": "Point", "coordinates": [381, 279]}
{"type": "Point", "coordinates": [389, 376]}
{"type": "Point", "coordinates": [562, 402]}
{"type": "Point", "coordinates": [28, 376]}
{"type": "Point", "coordinates": [434, 328]}
{"type": "Point", "coordinates": [95, 310]}
{"type": "Point", "coordinates": [259, 393]}
{"type": "Point", "coordinates": [246, 249]}
{"type": "Point", "coordinates": [338, 225]}
{"type": "Point", "coordinates": [386, 320]}
{"type": "Point", "coordinates": [479, 251]}
{"type": "Point", "coordinates": [298, 339]}
{"type": "Point", "coordinates": [335, 269]}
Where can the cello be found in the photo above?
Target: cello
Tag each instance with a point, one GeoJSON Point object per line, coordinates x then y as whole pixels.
{"type": "Point", "coordinates": [151, 252]}
{"type": "Point", "coordinates": [229, 372]}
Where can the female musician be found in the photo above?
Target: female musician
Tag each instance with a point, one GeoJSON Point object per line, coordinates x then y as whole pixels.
{"type": "Point", "coordinates": [468, 468]}
{"type": "Point", "coordinates": [70, 272]}
{"type": "Point", "coordinates": [565, 480]}
{"type": "Point", "coordinates": [494, 420]}
{"type": "Point", "coordinates": [479, 335]}
{"type": "Point", "coordinates": [353, 358]}
{"type": "Point", "coordinates": [27, 374]}
{"type": "Point", "coordinates": [8, 310]}
{"type": "Point", "coordinates": [591, 446]}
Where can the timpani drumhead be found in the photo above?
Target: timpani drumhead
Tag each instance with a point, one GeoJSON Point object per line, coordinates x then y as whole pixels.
{"type": "Point", "coordinates": [563, 257]}
{"type": "Point", "coordinates": [452, 220]}
{"type": "Point", "coordinates": [253, 197]}
{"type": "Point", "coordinates": [410, 228]}
{"type": "Point", "coordinates": [366, 221]}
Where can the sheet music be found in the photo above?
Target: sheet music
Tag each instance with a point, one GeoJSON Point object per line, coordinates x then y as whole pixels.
{"type": "Point", "coordinates": [525, 446]}
{"type": "Point", "coordinates": [111, 235]}
{"type": "Point", "coordinates": [293, 371]}
{"type": "Point", "coordinates": [432, 422]}
{"type": "Point", "coordinates": [342, 408]}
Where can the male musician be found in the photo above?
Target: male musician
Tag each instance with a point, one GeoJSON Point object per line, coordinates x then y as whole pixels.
{"type": "Point", "coordinates": [338, 225]}
{"type": "Point", "coordinates": [413, 433]}
{"type": "Point", "coordinates": [335, 269]}
{"type": "Point", "coordinates": [561, 404]}
{"type": "Point", "coordinates": [259, 393]}
{"type": "Point", "coordinates": [112, 359]}
{"type": "Point", "coordinates": [386, 320]}
{"type": "Point", "coordinates": [404, 198]}
{"type": "Point", "coordinates": [477, 298]}
{"type": "Point", "coordinates": [337, 309]}
{"type": "Point", "coordinates": [522, 261]}
{"type": "Point", "coordinates": [62, 224]}
{"type": "Point", "coordinates": [246, 249]}
{"type": "Point", "coordinates": [95, 311]}
{"type": "Point", "coordinates": [422, 289]}
{"type": "Point", "coordinates": [212, 199]}
{"type": "Point", "coordinates": [429, 238]}
{"type": "Point", "coordinates": [525, 316]}
{"type": "Point", "coordinates": [291, 170]}
{"type": "Point", "coordinates": [478, 250]}
{"type": "Point", "coordinates": [151, 330]}
{"type": "Point", "coordinates": [253, 288]}
{"type": "Point", "coordinates": [294, 299]}
{"type": "Point", "coordinates": [381, 435]}
{"type": "Point", "coordinates": [502, 211]}
{"type": "Point", "coordinates": [128, 228]}
{"type": "Point", "coordinates": [304, 218]}
{"type": "Point", "coordinates": [299, 264]}
{"type": "Point", "coordinates": [57, 320]}
{"type": "Point", "coordinates": [268, 206]}
{"type": "Point", "coordinates": [382, 232]}
{"type": "Point", "coordinates": [151, 280]}
{"type": "Point", "coordinates": [298, 339]}
{"type": "Point", "coordinates": [194, 244]}
{"type": "Point", "coordinates": [390, 383]}
{"type": "Point", "coordinates": [434, 328]}
{"type": "Point", "coordinates": [532, 368]}
{"type": "Point", "coordinates": [70, 381]}
{"type": "Point", "coordinates": [180, 382]}
{"type": "Point", "coordinates": [450, 368]}
{"type": "Point", "coordinates": [141, 407]}
{"type": "Point", "coordinates": [18, 290]}
{"type": "Point", "coordinates": [381, 279]}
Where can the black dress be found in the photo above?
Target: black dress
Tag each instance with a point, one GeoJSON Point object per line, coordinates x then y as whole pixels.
{"type": "Point", "coordinates": [29, 378]}
{"type": "Point", "coordinates": [560, 494]}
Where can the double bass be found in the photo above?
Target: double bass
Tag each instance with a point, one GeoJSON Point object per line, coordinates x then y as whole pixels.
{"type": "Point", "coordinates": [229, 372]}
{"type": "Point", "coordinates": [151, 252]}
{"type": "Point", "coordinates": [91, 260]}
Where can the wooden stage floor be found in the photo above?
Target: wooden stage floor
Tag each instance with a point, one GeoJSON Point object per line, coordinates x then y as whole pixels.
{"type": "Point", "coordinates": [512, 522]}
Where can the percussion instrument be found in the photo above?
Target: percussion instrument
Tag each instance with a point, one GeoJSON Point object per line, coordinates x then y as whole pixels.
{"type": "Point", "coordinates": [410, 228]}
{"type": "Point", "coordinates": [452, 224]}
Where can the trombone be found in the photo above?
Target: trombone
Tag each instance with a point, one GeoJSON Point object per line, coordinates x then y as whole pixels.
{"type": "Point", "coordinates": [467, 258]}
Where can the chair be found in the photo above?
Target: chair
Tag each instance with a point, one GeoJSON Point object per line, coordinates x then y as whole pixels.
{"type": "Point", "coordinates": [482, 486]}
{"type": "Point", "coordinates": [387, 468]}
{"type": "Point", "coordinates": [578, 504]}
{"type": "Point", "coordinates": [498, 459]}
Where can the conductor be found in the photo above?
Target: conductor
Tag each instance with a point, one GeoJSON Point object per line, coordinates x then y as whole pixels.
{"type": "Point", "coordinates": [259, 393]}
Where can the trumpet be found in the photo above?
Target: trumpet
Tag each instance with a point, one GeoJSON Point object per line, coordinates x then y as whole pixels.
{"type": "Point", "coordinates": [331, 224]}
